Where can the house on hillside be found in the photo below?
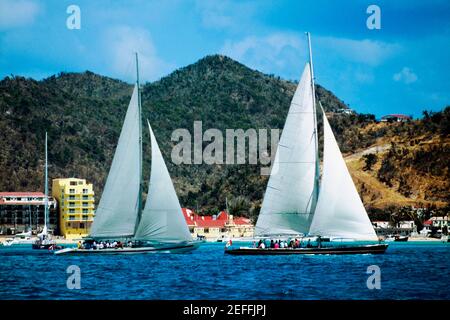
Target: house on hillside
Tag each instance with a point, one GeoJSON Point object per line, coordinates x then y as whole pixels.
{"type": "Point", "coordinates": [395, 118]}
{"type": "Point", "coordinates": [435, 227]}
{"type": "Point", "coordinates": [439, 222]}
{"type": "Point", "coordinates": [345, 111]}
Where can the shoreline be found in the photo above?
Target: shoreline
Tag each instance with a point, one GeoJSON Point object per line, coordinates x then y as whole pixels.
{"type": "Point", "coordinates": [63, 241]}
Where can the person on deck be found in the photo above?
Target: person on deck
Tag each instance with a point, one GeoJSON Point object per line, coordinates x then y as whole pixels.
{"type": "Point", "coordinates": [319, 242]}
{"type": "Point", "coordinates": [276, 245]}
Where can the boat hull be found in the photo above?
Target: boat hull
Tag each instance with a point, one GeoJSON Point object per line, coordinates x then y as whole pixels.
{"type": "Point", "coordinates": [363, 249]}
{"type": "Point", "coordinates": [176, 248]}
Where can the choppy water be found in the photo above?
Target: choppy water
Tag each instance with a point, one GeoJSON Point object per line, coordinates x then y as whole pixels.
{"type": "Point", "coordinates": [408, 271]}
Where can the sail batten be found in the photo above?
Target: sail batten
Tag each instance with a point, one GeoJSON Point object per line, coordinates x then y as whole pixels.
{"type": "Point", "coordinates": [287, 205]}
{"type": "Point", "coordinates": [117, 211]}
{"type": "Point", "coordinates": [340, 212]}
{"type": "Point", "coordinates": [162, 219]}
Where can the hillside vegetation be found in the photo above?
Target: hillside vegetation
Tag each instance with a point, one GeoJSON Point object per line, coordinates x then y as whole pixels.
{"type": "Point", "coordinates": [83, 114]}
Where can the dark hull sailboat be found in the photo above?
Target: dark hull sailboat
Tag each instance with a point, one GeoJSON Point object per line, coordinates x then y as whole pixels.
{"type": "Point", "coordinates": [301, 201]}
{"type": "Point", "coordinates": [362, 249]}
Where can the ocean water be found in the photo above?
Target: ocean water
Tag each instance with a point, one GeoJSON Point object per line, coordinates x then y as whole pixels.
{"type": "Point", "coordinates": [407, 270]}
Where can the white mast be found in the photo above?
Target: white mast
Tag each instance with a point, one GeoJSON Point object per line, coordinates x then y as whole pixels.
{"type": "Point", "coordinates": [317, 173]}
{"type": "Point", "coordinates": [46, 187]}
{"type": "Point", "coordinates": [139, 215]}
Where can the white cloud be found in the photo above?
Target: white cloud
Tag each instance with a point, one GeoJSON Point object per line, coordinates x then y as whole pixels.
{"type": "Point", "coordinates": [122, 42]}
{"type": "Point", "coordinates": [285, 53]}
{"type": "Point", "coordinates": [406, 75]}
{"type": "Point", "coordinates": [224, 13]}
{"type": "Point", "coordinates": [15, 13]}
{"type": "Point", "coordinates": [270, 53]}
{"type": "Point", "coordinates": [365, 51]}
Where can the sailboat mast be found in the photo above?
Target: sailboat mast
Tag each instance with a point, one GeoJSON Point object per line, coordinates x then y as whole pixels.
{"type": "Point", "coordinates": [140, 142]}
{"type": "Point", "coordinates": [316, 139]}
{"type": "Point", "coordinates": [46, 185]}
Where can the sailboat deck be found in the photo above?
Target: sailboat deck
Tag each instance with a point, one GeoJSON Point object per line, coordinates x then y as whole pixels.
{"type": "Point", "coordinates": [362, 249]}
{"type": "Point", "coordinates": [132, 250]}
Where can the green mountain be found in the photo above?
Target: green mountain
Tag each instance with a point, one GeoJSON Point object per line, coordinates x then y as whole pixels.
{"type": "Point", "coordinates": [83, 114]}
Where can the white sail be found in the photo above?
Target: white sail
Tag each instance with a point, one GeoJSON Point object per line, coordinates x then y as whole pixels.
{"type": "Point", "coordinates": [162, 219]}
{"type": "Point", "coordinates": [340, 212]}
{"type": "Point", "coordinates": [290, 195]}
{"type": "Point", "coordinates": [117, 211]}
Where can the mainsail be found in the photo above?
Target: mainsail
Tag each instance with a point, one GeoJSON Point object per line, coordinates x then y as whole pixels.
{"type": "Point", "coordinates": [117, 211]}
{"type": "Point", "coordinates": [340, 212]}
{"type": "Point", "coordinates": [290, 195]}
{"type": "Point", "coordinates": [162, 219]}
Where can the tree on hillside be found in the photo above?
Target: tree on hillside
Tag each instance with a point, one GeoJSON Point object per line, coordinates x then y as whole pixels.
{"type": "Point", "coordinates": [370, 159]}
{"type": "Point", "coordinates": [239, 206]}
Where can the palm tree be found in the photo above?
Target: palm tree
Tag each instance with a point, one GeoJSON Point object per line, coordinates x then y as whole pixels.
{"type": "Point", "coordinates": [239, 206]}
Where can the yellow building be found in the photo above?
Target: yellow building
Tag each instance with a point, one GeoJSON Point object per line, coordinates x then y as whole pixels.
{"type": "Point", "coordinates": [76, 206]}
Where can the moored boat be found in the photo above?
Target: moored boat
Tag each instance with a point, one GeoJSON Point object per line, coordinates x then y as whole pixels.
{"type": "Point", "coordinates": [45, 240]}
{"type": "Point", "coordinates": [397, 238]}
{"type": "Point", "coordinates": [22, 238]}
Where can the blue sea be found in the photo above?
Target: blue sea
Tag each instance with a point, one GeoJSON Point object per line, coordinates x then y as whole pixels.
{"type": "Point", "coordinates": [407, 271]}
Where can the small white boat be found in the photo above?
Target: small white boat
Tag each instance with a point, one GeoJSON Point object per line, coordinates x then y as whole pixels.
{"type": "Point", "coordinates": [396, 238]}
{"type": "Point", "coordinates": [19, 239]}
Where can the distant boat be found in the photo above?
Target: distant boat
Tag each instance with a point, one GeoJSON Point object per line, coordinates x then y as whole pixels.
{"type": "Point", "coordinates": [45, 240]}
{"type": "Point", "coordinates": [296, 203]}
{"type": "Point", "coordinates": [160, 225]}
{"type": "Point", "coordinates": [397, 238]}
{"type": "Point", "coordinates": [19, 239]}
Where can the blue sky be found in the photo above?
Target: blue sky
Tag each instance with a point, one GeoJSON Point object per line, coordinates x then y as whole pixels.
{"type": "Point", "coordinates": [402, 68]}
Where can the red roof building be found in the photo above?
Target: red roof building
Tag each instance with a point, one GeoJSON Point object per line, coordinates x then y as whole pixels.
{"type": "Point", "coordinates": [217, 226]}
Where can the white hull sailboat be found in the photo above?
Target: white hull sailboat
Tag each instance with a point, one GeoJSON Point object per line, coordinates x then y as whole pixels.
{"type": "Point", "coordinates": [19, 239]}
{"type": "Point", "coordinates": [297, 203]}
{"type": "Point", "coordinates": [158, 227]}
